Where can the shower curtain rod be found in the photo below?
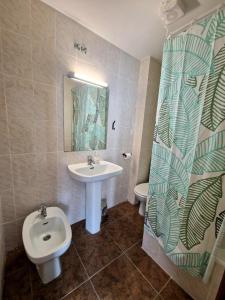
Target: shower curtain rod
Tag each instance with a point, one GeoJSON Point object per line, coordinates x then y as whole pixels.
{"type": "Point", "coordinates": [194, 20]}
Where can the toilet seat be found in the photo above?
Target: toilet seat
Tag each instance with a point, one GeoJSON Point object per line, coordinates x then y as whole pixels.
{"type": "Point", "coordinates": [141, 190]}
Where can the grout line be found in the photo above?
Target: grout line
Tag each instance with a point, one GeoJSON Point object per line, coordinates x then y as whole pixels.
{"type": "Point", "coordinates": [12, 187]}
{"type": "Point", "coordinates": [82, 262]}
{"type": "Point", "coordinates": [165, 285]}
{"type": "Point", "coordinates": [141, 273]}
{"type": "Point", "coordinates": [85, 281]}
{"type": "Point", "coordinates": [114, 259]}
{"type": "Point", "coordinates": [76, 288]}
{"type": "Point", "coordinates": [30, 80]}
{"type": "Point", "coordinates": [94, 290]}
{"type": "Point", "coordinates": [24, 35]}
{"type": "Point", "coordinates": [136, 243]}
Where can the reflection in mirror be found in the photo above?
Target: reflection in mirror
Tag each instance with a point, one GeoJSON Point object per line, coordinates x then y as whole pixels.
{"type": "Point", "coordinates": [85, 115]}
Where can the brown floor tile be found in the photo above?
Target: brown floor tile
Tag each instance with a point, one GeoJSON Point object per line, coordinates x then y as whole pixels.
{"type": "Point", "coordinates": [173, 291]}
{"type": "Point", "coordinates": [121, 280]}
{"type": "Point", "coordinates": [17, 285]}
{"type": "Point", "coordinates": [96, 250]}
{"type": "Point", "coordinates": [72, 275]}
{"type": "Point", "coordinates": [78, 230]}
{"type": "Point", "coordinates": [126, 232]}
{"type": "Point", "coordinates": [16, 260]}
{"type": "Point", "coordinates": [148, 267]}
{"type": "Point", "coordinates": [121, 210]}
{"type": "Point", "coordinates": [85, 292]}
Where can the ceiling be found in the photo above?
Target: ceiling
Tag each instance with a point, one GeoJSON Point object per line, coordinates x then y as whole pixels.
{"type": "Point", "coordinates": [132, 25]}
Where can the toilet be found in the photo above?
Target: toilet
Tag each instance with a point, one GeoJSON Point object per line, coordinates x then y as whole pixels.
{"type": "Point", "coordinates": [141, 193]}
{"type": "Point", "coordinates": [45, 239]}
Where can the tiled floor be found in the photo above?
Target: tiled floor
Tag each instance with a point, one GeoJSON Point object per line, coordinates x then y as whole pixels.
{"type": "Point", "coordinates": [110, 265]}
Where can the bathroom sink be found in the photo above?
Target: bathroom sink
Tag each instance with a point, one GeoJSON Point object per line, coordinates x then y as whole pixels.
{"type": "Point", "coordinates": [93, 175]}
{"type": "Point", "coordinates": [100, 171]}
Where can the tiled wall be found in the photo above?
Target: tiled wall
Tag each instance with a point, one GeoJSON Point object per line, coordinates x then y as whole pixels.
{"type": "Point", "coordinates": [146, 105]}
{"type": "Point", "coordinates": [36, 44]}
{"type": "Point", "coordinates": [149, 120]}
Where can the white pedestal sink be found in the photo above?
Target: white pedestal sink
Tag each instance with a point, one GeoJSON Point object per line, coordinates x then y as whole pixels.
{"type": "Point", "coordinates": [93, 178]}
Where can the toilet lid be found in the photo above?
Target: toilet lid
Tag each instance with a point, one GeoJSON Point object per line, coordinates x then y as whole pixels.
{"type": "Point", "coordinates": [141, 189]}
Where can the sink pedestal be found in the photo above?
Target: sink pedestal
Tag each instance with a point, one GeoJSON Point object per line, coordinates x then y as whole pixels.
{"type": "Point", "coordinates": [93, 206]}
{"type": "Point", "coordinates": [93, 178]}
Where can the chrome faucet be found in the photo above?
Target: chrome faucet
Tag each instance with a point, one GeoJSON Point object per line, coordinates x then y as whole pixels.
{"type": "Point", "coordinates": [90, 161]}
{"type": "Point", "coordinates": [43, 211]}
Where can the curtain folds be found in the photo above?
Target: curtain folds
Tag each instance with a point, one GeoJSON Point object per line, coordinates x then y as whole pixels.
{"type": "Point", "coordinates": [89, 118]}
{"type": "Point", "coordinates": [186, 201]}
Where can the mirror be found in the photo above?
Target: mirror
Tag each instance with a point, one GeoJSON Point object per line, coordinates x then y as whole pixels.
{"type": "Point", "coordinates": [85, 115]}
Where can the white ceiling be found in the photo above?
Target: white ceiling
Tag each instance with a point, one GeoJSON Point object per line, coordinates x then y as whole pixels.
{"type": "Point", "coordinates": [132, 25]}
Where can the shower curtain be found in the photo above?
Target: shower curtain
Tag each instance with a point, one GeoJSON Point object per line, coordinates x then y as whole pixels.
{"type": "Point", "coordinates": [89, 117]}
{"type": "Point", "coordinates": [186, 200]}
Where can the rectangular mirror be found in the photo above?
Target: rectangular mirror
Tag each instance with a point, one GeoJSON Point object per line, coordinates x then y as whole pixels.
{"type": "Point", "coordinates": [85, 115]}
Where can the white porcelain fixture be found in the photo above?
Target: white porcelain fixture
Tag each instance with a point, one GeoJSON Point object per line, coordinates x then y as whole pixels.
{"type": "Point", "coordinates": [45, 239]}
{"type": "Point", "coordinates": [141, 192]}
{"type": "Point", "coordinates": [93, 175]}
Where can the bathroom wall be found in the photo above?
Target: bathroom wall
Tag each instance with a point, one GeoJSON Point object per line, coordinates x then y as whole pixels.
{"type": "Point", "coordinates": [146, 105]}
{"type": "Point", "coordinates": [36, 45]}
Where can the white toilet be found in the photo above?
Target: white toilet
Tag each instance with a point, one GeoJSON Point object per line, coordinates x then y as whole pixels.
{"type": "Point", "coordinates": [141, 192]}
{"type": "Point", "coordinates": [46, 237]}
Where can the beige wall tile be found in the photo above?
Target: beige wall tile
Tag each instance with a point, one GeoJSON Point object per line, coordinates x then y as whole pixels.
{"type": "Point", "coordinates": [46, 169]}
{"type": "Point", "coordinates": [44, 61]}
{"type": "Point", "coordinates": [10, 236]}
{"type": "Point", "coordinates": [5, 173]}
{"type": "Point", "coordinates": [46, 185]}
{"type": "Point", "coordinates": [67, 33]}
{"type": "Point", "coordinates": [95, 46]}
{"type": "Point", "coordinates": [4, 137]}
{"type": "Point", "coordinates": [1, 49]}
{"type": "Point", "coordinates": [8, 211]}
{"type": "Point", "coordinates": [24, 170]}
{"type": "Point", "coordinates": [2, 93]}
{"type": "Point", "coordinates": [42, 21]}
{"type": "Point", "coordinates": [25, 201]}
{"type": "Point", "coordinates": [21, 135]}
{"type": "Point", "coordinates": [128, 67]}
{"type": "Point", "coordinates": [65, 63]}
{"type": "Point", "coordinates": [44, 102]}
{"type": "Point", "coordinates": [15, 15]}
{"type": "Point", "coordinates": [19, 98]}
{"type": "Point", "coordinates": [16, 54]}
{"type": "Point", "coordinates": [45, 136]}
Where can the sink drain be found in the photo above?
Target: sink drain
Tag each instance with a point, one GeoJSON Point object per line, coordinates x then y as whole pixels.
{"type": "Point", "coordinates": [47, 237]}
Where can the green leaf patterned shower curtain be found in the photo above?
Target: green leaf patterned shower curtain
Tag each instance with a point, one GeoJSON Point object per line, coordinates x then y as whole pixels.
{"type": "Point", "coordinates": [186, 202]}
{"type": "Point", "coordinates": [89, 117]}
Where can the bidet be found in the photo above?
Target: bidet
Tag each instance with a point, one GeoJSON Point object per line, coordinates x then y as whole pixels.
{"type": "Point", "coordinates": [45, 239]}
